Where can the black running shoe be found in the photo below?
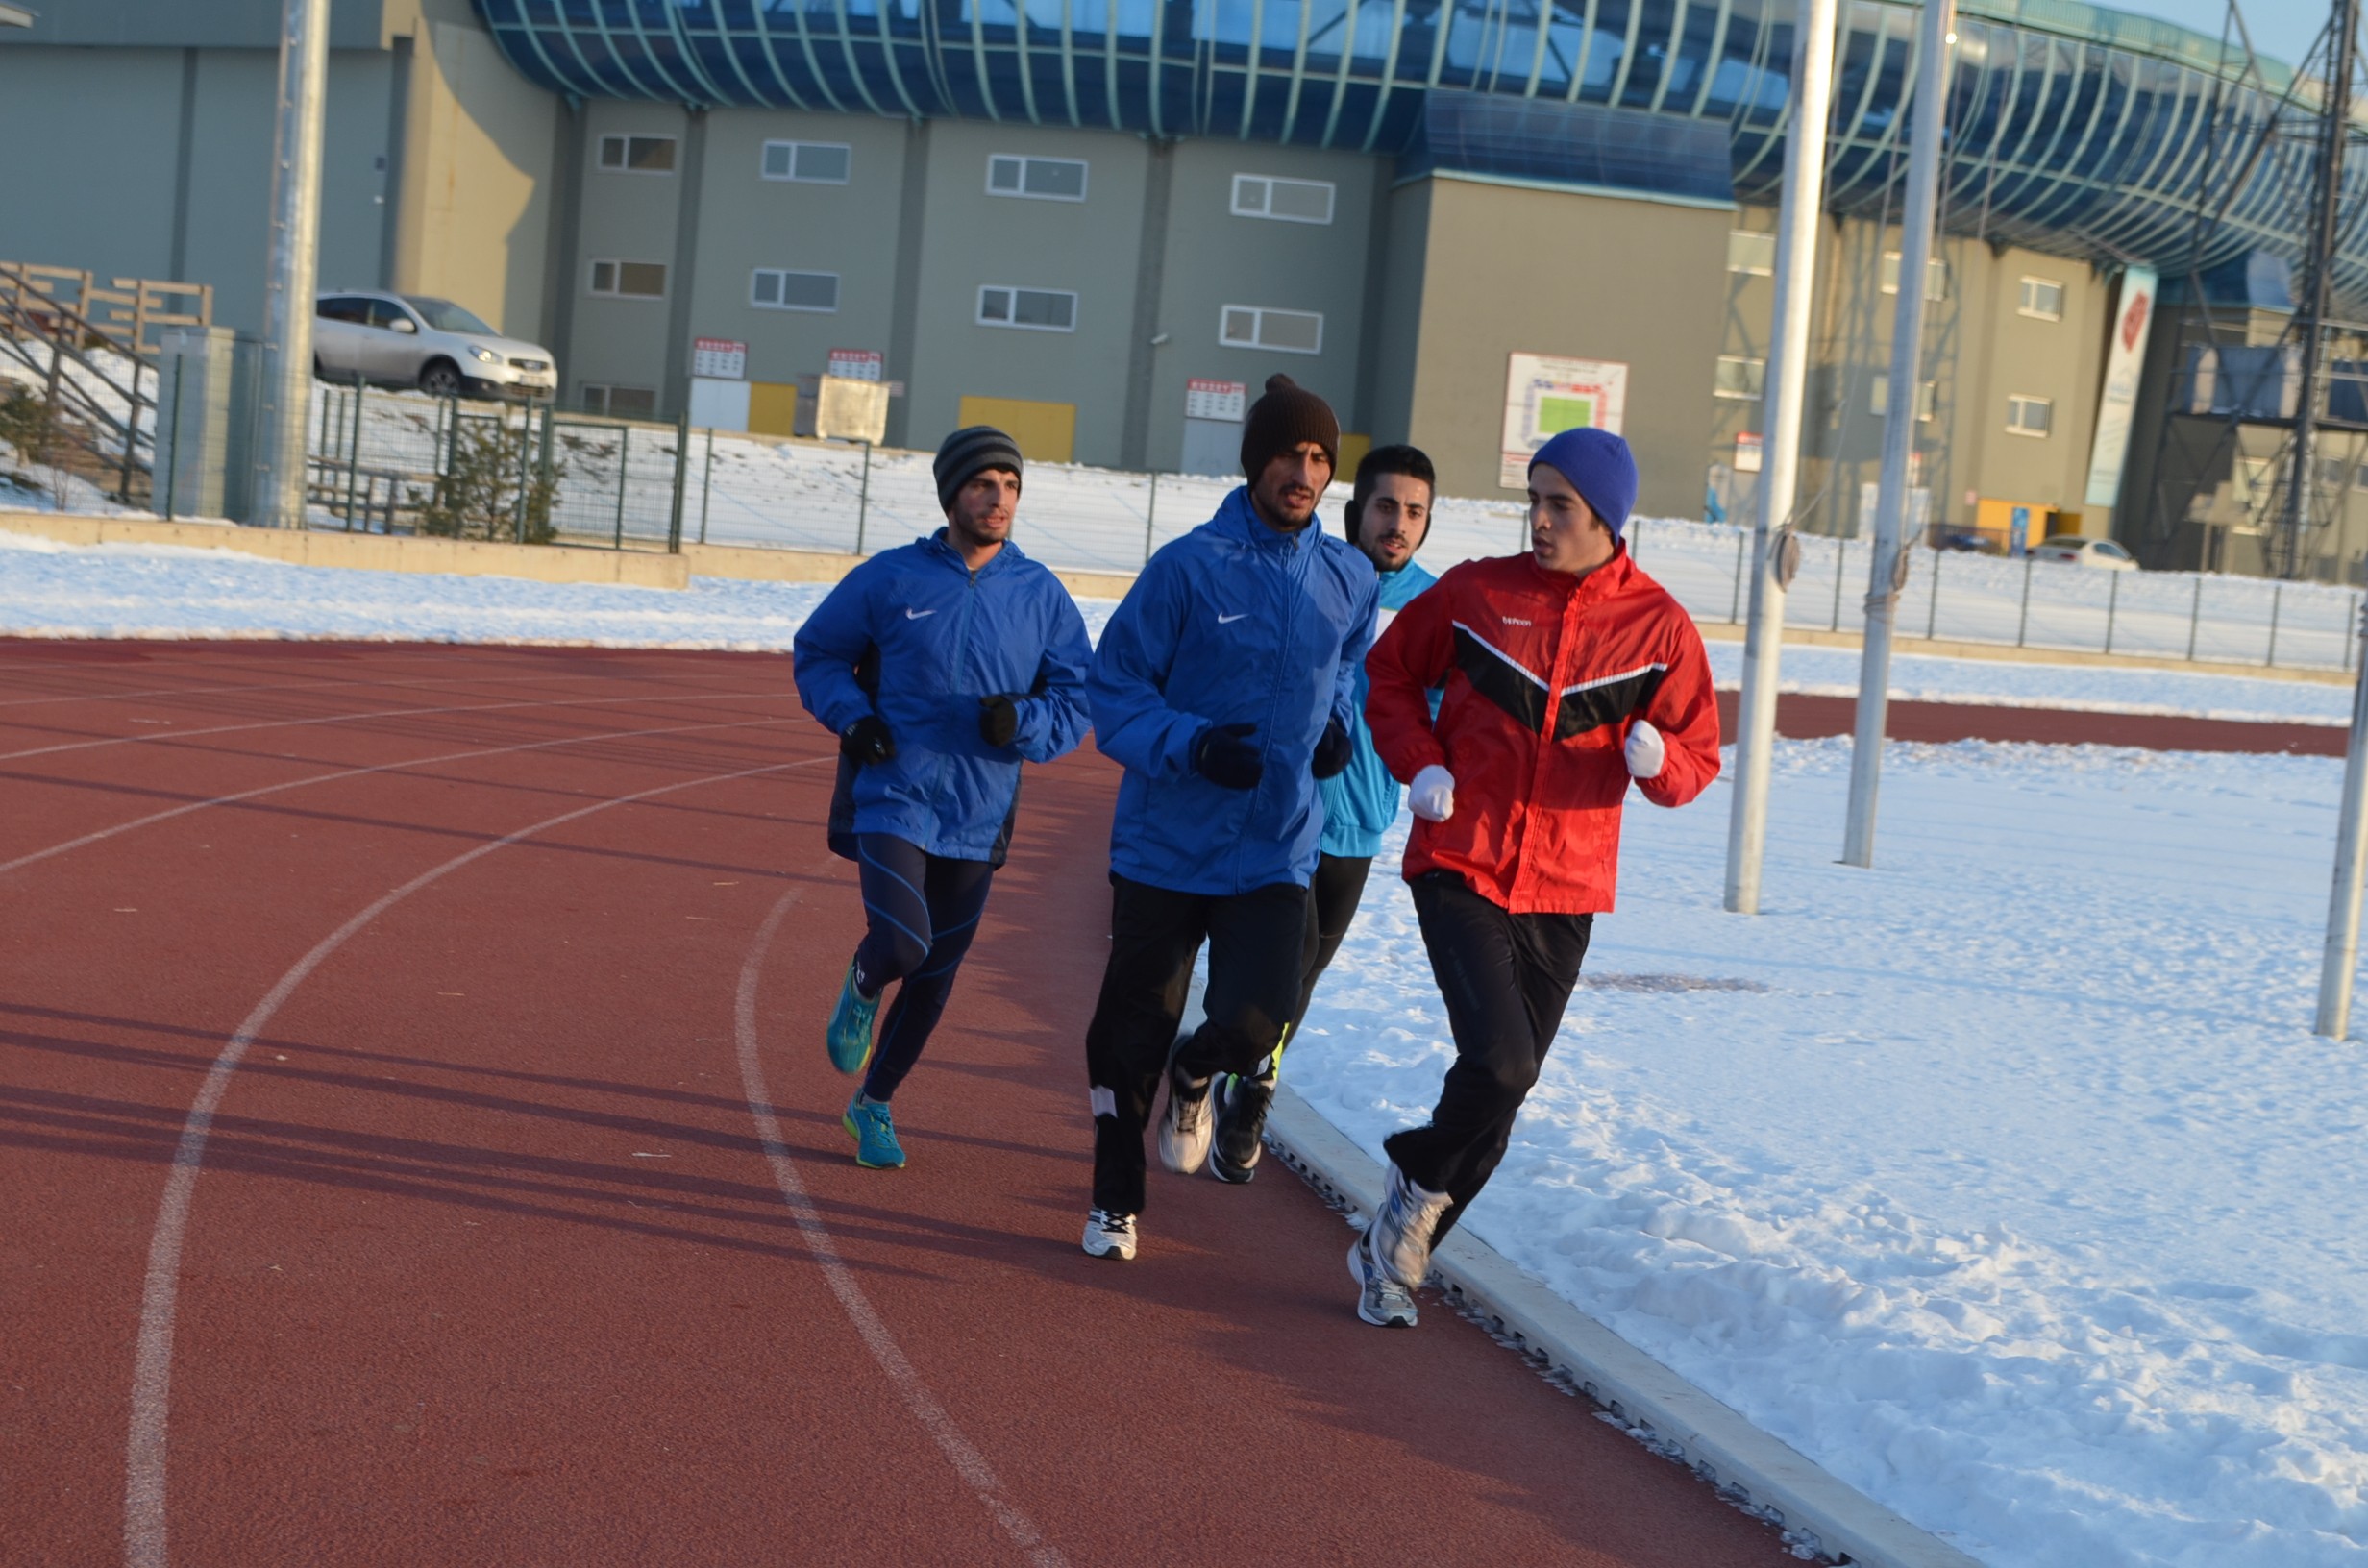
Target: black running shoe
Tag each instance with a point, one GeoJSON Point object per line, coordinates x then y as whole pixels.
{"type": "Point", "coordinates": [1240, 1118]}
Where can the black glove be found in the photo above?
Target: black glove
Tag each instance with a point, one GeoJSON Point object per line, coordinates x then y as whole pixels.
{"type": "Point", "coordinates": [1224, 756]}
{"type": "Point", "coordinates": [1332, 751]}
{"type": "Point", "coordinates": [998, 719]}
{"type": "Point", "coordinates": [867, 741]}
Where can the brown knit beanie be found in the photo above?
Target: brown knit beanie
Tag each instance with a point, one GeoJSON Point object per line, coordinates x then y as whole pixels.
{"type": "Point", "coordinates": [1286, 416]}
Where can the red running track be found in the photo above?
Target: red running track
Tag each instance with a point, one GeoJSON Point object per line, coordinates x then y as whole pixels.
{"type": "Point", "coordinates": [484, 1256]}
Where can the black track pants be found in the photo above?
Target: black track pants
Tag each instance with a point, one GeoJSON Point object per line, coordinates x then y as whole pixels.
{"type": "Point", "coordinates": [1506, 979]}
{"type": "Point", "coordinates": [1331, 905]}
{"type": "Point", "coordinates": [1254, 942]}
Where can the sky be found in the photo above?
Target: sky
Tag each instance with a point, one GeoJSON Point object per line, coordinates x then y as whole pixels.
{"type": "Point", "coordinates": [2283, 30]}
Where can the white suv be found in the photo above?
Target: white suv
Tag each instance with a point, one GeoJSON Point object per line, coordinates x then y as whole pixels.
{"type": "Point", "coordinates": [412, 340]}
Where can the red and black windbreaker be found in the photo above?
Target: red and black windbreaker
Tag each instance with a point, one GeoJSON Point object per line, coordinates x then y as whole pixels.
{"type": "Point", "coordinates": [1544, 675]}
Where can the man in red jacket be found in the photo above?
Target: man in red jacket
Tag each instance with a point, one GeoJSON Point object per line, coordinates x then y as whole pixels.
{"type": "Point", "coordinates": [1567, 674]}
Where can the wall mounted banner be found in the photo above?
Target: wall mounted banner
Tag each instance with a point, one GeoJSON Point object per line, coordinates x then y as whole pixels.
{"type": "Point", "coordinates": [1545, 396]}
{"type": "Point", "coordinates": [722, 358]}
{"type": "Point", "coordinates": [856, 364]}
{"type": "Point", "coordinates": [2122, 358]}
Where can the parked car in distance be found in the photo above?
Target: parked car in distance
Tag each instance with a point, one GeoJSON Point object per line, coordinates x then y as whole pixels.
{"type": "Point", "coordinates": [413, 340]}
{"type": "Point", "coordinates": [2102, 553]}
{"type": "Point", "coordinates": [1967, 543]}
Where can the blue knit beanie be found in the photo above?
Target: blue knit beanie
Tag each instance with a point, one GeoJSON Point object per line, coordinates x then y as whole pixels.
{"type": "Point", "coordinates": [1599, 467]}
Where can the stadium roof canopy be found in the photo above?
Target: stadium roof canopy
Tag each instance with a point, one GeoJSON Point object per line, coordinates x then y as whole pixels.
{"type": "Point", "coordinates": [2074, 130]}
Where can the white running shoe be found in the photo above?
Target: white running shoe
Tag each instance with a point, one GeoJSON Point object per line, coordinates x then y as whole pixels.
{"type": "Point", "coordinates": [1109, 1236]}
{"type": "Point", "coordinates": [1381, 1300]}
{"type": "Point", "coordinates": [1401, 1234]}
{"type": "Point", "coordinates": [1185, 1127]}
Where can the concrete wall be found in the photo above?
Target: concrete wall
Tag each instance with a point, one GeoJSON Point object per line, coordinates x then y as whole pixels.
{"type": "Point", "coordinates": [156, 162]}
{"type": "Point", "coordinates": [1215, 257]}
{"type": "Point", "coordinates": [1512, 270]}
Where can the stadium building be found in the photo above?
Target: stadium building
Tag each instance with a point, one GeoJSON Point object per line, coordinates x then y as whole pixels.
{"type": "Point", "coordinates": [1098, 222]}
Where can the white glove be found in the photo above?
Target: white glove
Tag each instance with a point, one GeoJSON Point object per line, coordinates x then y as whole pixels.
{"type": "Point", "coordinates": [1645, 752]}
{"type": "Point", "coordinates": [1432, 793]}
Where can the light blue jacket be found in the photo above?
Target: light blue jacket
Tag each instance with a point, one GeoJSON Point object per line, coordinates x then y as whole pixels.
{"type": "Point", "coordinates": [1233, 624]}
{"type": "Point", "coordinates": [1360, 802]}
{"type": "Point", "coordinates": [915, 636]}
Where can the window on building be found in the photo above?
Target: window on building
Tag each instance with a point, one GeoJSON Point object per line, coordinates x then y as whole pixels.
{"type": "Point", "coordinates": [630, 280]}
{"type": "Point", "coordinates": [1879, 398]}
{"type": "Point", "coordinates": [2030, 416]}
{"type": "Point", "coordinates": [1740, 377]}
{"type": "Point", "coordinates": [777, 289]}
{"type": "Point", "coordinates": [1039, 309]}
{"type": "Point", "coordinates": [1046, 179]}
{"type": "Point", "coordinates": [1256, 327]}
{"type": "Point", "coordinates": [1289, 201]}
{"type": "Point", "coordinates": [810, 163]}
{"type": "Point", "coordinates": [619, 402]}
{"type": "Point", "coordinates": [2042, 298]}
{"type": "Point", "coordinates": [1751, 253]}
{"type": "Point", "coordinates": [1935, 277]}
{"type": "Point", "coordinates": [638, 154]}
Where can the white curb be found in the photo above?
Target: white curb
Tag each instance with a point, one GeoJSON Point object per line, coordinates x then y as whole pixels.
{"type": "Point", "coordinates": [1722, 1446]}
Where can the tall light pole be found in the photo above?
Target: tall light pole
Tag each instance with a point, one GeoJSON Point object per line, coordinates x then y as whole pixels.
{"type": "Point", "coordinates": [1902, 405]}
{"type": "Point", "coordinates": [2342, 952]}
{"type": "Point", "coordinates": [295, 264]}
{"type": "Point", "coordinates": [1797, 216]}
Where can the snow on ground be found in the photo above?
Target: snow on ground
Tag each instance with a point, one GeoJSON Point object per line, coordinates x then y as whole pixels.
{"type": "Point", "coordinates": [50, 589]}
{"type": "Point", "coordinates": [2006, 1180]}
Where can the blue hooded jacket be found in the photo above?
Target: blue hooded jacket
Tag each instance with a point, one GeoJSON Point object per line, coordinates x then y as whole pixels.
{"type": "Point", "coordinates": [1360, 802]}
{"type": "Point", "coordinates": [1233, 624]}
{"type": "Point", "coordinates": [918, 638]}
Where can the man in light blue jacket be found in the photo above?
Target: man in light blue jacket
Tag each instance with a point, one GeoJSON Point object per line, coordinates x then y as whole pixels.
{"type": "Point", "coordinates": [940, 666]}
{"type": "Point", "coordinates": [1224, 685]}
{"type": "Point", "coordinates": [1388, 517]}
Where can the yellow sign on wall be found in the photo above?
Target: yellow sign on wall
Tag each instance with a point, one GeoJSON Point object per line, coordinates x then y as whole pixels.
{"type": "Point", "coordinates": [1045, 432]}
{"type": "Point", "coordinates": [773, 408]}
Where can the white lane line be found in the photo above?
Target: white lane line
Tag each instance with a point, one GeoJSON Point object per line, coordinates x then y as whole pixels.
{"type": "Point", "coordinates": [362, 718]}
{"type": "Point", "coordinates": [152, 818]}
{"type": "Point", "coordinates": [152, 1373]}
{"type": "Point", "coordinates": [968, 1463]}
{"type": "Point", "coordinates": [287, 686]}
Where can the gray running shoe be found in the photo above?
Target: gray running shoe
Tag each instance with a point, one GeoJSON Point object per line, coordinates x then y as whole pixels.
{"type": "Point", "coordinates": [1109, 1236]}
{"type": "Point", "coordinates": [1184, 1127]}
{"type": "Point", "coordinates": [1381, 1300]}
{"type": "Point", "coordinates": [1401, 1232]}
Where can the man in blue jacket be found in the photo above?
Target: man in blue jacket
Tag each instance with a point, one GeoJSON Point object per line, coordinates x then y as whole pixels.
{"type": "Point", "coordinates": [940, 666]}
{"type": "Point", "coordinates": [1224, 686]}
{"type": "Point", "coordinates": [1388, 517]}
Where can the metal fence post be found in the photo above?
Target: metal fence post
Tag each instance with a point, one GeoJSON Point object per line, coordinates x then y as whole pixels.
{"type": "Point", "coordinates": [1931, 611]}
{"type": "Point", "coordinates": [353, 456]}
{"type": "Point", "coordinates": [2195, 616]}
{"type": "Point", "coordinates": [2113, 599]}
{"type": "Point", "coordinates": [863, 498]}
{"type": "Point", "coordinates": [130, 442]}
{"type": "Point", "coordinates": [2359, 615]}
{"type": "Point", "coordinates": [546, 470]}
{"type": "Point", "coordinates": [1734, 605]}
{"type": "Point", "coordinates": [706, 485]}
{"type": "Point", "coordinates": [526, 469]}
{"type": "Point", "coordinates": [2022, 622]}
{"type": "Point", "coordinates": [682, 473]}
{"type": "Point", "coordinates": [625, 447]}
{"type": "Point", "coordinates": [1842, 568]}
{"type": "Point", "coordinates": [1150, 516]}
{"type": "Point", "coordinates": [172, 460]}
{"type": "Point", "coordinates": [2277, 598]}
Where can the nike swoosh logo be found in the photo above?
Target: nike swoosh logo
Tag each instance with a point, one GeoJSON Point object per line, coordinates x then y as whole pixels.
{"type": "Point", "coordinates": [1228, 619]}
{"type": "Point", "coordinates": [915, 615]}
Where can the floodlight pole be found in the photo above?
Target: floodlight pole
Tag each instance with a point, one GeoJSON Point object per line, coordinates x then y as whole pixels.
{"type": "Point", "coordinates": [1902, 406]}
{"type": "Point", "coordinates": [295, 264]}
{"type": "Point", "coordinates": [2341, 956]}
{"type": "Point", "coordinates": [1797, 216]}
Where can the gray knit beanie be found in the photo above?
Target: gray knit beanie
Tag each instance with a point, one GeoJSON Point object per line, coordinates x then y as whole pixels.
{"type": "Point", "coordinates": [967, 453]}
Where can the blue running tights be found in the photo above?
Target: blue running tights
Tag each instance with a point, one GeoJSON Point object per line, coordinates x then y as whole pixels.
{"type": "Point", "coordinates": [923, 909]}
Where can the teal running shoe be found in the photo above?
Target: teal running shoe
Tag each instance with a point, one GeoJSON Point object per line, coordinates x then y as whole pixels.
{"type": "Point", "coordinates": [875, 1133]}
{"type": "Point", "coordinates": [851, 1025]}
